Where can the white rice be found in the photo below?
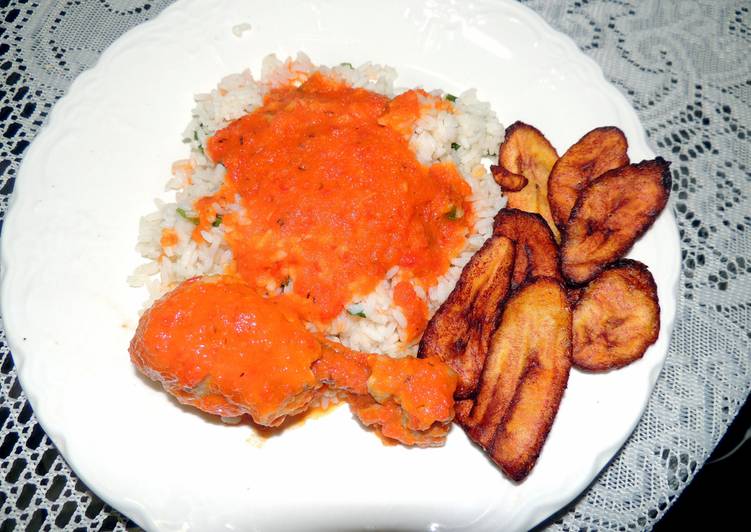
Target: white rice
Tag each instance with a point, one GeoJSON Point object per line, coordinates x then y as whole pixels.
{"type": "Point", "coordinates": [473, 127]}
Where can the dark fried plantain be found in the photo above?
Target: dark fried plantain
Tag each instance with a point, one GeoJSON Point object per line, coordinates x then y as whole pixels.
{"type": "Point", "coordinates": [523, 379]}
{"type": "Point", "coordinates": [574, 295]}
{"type": "Point", "coordinates": [536, 250]}
{"type": "Point", "coordinates": [610, 214]}
{"type": "Point", "coordinates": [509, 181]}
{"type": "Point", "coordinates": [616, 318]}
{"type": "Point", "coordinates": [525, 152]}
{"type": "Point", "coordinates": [600, 150]}
{"type": "Point", "coordinates": [459, 332]}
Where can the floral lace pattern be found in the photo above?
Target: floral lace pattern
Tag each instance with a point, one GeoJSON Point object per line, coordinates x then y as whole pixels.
{"type": "Point", "coordinates": [679, 64]}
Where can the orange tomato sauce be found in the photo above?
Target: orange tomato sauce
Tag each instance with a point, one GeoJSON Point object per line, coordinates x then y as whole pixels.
{"type": "Point", "coordinates": [333, 197]}
{"type": "Point", "coordinates": [415, 309]}
{"type": "Point", "coordinates": [169, 238]}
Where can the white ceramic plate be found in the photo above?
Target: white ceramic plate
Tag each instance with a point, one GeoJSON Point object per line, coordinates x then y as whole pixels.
{"type": "Point", "coordinates": [68, 246]}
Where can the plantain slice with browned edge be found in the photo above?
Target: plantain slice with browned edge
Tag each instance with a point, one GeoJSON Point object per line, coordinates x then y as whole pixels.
{"type": "Point", "coordinates": [536, 250]}
{"type": "Point", "coordinates": [610, 214]}
{"type": "Point", "coordinates": [574, 295]}
{"type": "Point", "coordinates": [508, 181]}
{"type": "Point", "coordinates": [600, 150]}
{"type": "Point", "coordinates": [459, 332]}
{"type": "Point", "coordinates": [617, 317]}
{"type": "Point", "coordinates": [526, 155]}
{"type": "Point", "coordinates": [523, 379]}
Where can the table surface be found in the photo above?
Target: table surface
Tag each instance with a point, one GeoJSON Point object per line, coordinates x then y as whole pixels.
{"type": "Point", "coordinates": [682, 64]}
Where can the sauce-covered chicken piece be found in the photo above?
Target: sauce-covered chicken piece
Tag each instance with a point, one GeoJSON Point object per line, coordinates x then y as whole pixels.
{"type": "Point", "coordinates": [409, 400]}
{"type": "Point", "coordinates": [215, 344]}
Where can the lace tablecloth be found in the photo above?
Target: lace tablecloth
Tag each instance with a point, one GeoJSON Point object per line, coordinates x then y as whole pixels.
{"type": "Point", "coordinates": [684, 67]}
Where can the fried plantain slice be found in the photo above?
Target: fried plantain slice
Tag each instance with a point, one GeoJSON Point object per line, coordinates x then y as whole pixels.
{"type": "Point", "coordinates": [616, 318]}
{"type": "Point", "coordinates": [574, 295]}
{"type": "Point", "coordinates": [509, 181]}
{"type": "Point", "coordinates": [536, 250]}
{"type": "Point", "coordinates": [459, 332]}
{"type": "Point", "coordinates": [600, 150]}
{"type": "Point", "coordinates": [610, 214]}
{"type": "Point", "coordinates": [524, 377]}
{"type": "Point", "coordinates": [526, 152]}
